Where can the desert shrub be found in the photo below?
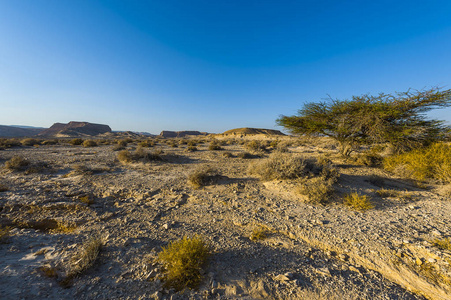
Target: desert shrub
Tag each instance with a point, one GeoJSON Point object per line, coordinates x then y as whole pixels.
{"type": "Point", "coordinates": [3, 188]}
{"type": "Point", "coordinates": [376, 180]}
{"type": "Point", "coordinates": [89, 143]}
{"type": "Point", "coordinates": [4, 233]}
{"type": "Point", "coordinates": [202, 176]}
{"type": "Point", "coordinates": [433, 162]}
{"type": "Point", "coordinates": [384, 193]}
{"type": "Point", "coordinates": [191, 149]}
{"type": "Point", "coordinates": [76, 141]}
{"type": "Point", "coordinates": [246, 155]}
{"type": "Point", "coordinates": [227, 155]}
{"type": "Point", "coordinates": [9, 143]}
{"type": "Point", "coordinates": [192, 143]}
{"type": "Point", "coordinates": [84, 259]}
{"type": "Point", "coordinates": [318, 190]}
{"type": "Point", "coordinates": [146, 144]}
{"type": "Point", "coordinates": [139, 155]}
{"type": "Point", "coordinates": [214, 145]}
{"type": "Point", "coordinates": [183, 261]}
{"type": "Point", "coordinates": [30, 142]}
{"type": "Point", "coordinates": [255, 146]}
{"type": "Point", "coordinates": [118, 147]}
{"type": "Point", "coordinates": [443, 244]}
{"type": "Point", "coordinates": [259, 232]}
{"type": "Point", "coordinates": [370, 159]}
{"type": "Point", "coordinates": [358, 202]}
{"type": "Point", "coordinates": [281, 166]}
{"type": "Point", "coordinates": [17, 163]}
{"type": "Point", "coordinates": [49, 142]}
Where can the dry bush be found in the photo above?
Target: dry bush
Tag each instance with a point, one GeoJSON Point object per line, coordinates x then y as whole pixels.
{"type": "Point", "coordinates": [84, 259]}
{"type": "Point", "coordinates": [76, 142]}
{"type": "Point", "coordinates": [9, 143]}
{"type": "Point", "coordinates": [191, 149]}
{"type": "Point", "coordinates": [282, 166]}
{"type": "Point", "coordinates": [30, 142]}
{"type": "Point", "coordinates": [146, 144]}
{"type": "Point", "coordinates": [358, 202]}
{"type": "Point", "coordinates": [17, 163]}
{"type": "Point", "coordinates": [385, 193]}
{"type": "Point", "coordinates": [139, 155]}
{"type": "Point", "coordinates": [4, 233]}
{"type": "Point", "coordinates": [227, 155]}
{"type": "Point", "coordinates": [192, 143]}
{"type": "Point", "coordinates": [433, 162]}
{"type": "Point", "coordinates": [443, 244]}
{"type": "Point", "coordinates": [214, 145]}
{"type": "Point", "coordinates": [318, 190]}
{"type": "Point", "coordinates": [49, 142]}
{"type": "Point", "coordinates": [118, 147]}
{"type": "Point", "coordinates": [246, 155]}
{"type": "Point", "coordinates": [370, 159]}
{"type": "Point", "coordinates": [259, 232]}
{"type": "Point", "coordinates": [255, 146]}
{"type": "Point", "coordinates": [89, 143]}
{"type": "Point", "coordinates": [183, 261]}
{"type": "Point", "coordinates": [202, 176]}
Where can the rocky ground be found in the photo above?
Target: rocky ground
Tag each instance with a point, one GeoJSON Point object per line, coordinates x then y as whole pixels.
{"type": "Point", "coordinates": [310, 252]}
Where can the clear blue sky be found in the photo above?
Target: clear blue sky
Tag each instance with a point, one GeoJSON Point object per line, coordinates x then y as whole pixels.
{"type": "Point", "coordinates": [211, 65]}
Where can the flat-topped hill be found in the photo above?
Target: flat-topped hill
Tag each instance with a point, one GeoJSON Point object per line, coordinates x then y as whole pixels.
{"type": "Point", "coordinates": [73, 128]}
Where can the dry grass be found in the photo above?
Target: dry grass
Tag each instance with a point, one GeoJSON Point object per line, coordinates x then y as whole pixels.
{"type": "Point", "coordinates": [30, 142]}
{"type": "Point", "coordinates": [183, 261]}
{"type": "Point", "coordinates": [281, 166]}
{"type": "Point", "coordinates": [191, 149]}
{"type": "Point", "coordinates": [358, 202]}
{"type": "Point", "coordinates": [433, 162]}
{"type": "Point", "coordinates": [76, 142]}
{"type": "Point", "coordinates": [214, 145]}
{"type": "Point", "coordinates": [443, 244]}
{"type": "Point", "coordinates": [202, 176]}
{"type": "Point", "coordinates": [89, 143]}
{"type": "Point", "coordinates": [318, 190]}
{"type": "Point", "coordinates": [370, 159]}
{"type": "Point", "coordinates": [259, 233]}
{"type": "Point", "coordinates": [4, 233]}
{"type": "Point", "coordinates": [17, 163]}
{"type": "Point", "coordinates": [84, 259]}
{"type": "Point", "coordinates": [139, 155]}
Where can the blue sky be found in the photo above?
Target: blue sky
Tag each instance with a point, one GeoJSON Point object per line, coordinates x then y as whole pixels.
{"type": "Point", "coordinates": [211, 65]}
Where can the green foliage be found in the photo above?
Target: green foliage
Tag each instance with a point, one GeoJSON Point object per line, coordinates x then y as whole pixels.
{"type": "Point", "coordinates": [183, 261]}
{"type": "Point", "coordinates": [397, 119]}
{"type": "Point", "coordinates": [433, 162]}
{"type": "Point", "coordinates": [358, 202]}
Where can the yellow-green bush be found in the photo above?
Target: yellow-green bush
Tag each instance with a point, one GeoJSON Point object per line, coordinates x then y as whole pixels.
{"type": "Point", "coordinates": [433, 162]}
{"type": "Point", "coordinates": [358, 202]}
{"type": "Point", "coordinates": [183, 261]}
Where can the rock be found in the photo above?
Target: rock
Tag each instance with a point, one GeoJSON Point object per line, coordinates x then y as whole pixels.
{"type": "Point", "coordinates": [418, 261]}
{"type": "Point", "coordinates": [436, 232]}
{"type": "Point", "coordinates": [432, 260]}
{"type": "Point", "coordinates": [343, 256]}
{"type": "Point", "coordinates": [166, 226]}
{"type": "Point", "coordinates": [282, 277]}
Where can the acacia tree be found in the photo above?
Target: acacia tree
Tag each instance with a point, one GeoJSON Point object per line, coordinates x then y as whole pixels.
{"type": "Point", "coordinates": [398, 119]}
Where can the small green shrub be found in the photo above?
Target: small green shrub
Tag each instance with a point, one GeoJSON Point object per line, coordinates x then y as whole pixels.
{"type": "Point", "coordinates": [17, 163]}
{"type": "Point", "coordinates": [76, 141]}
{"type": "Point", "coordinates": [358, 202]}
{"type": "Point", "coordinates": [89, 143]}
{"type": "Point", "coordinates": [282, 166]}
{"type": "Point", "coordinates": [433, 162]}
{"type": "Point", "coordinates": [183, 261]}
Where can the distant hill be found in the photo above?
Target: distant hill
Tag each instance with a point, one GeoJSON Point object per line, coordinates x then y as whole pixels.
{"type": "Point", "coordinates": [75, 129]}
{"type": "Point", "coordinates": [19, 131]}
{"type": "Point", "coordinates": [252, 131]}
{"type": "Point", "coordinates": [172, 134]}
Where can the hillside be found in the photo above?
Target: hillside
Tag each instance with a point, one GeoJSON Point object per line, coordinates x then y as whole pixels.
{"type": "Point", "coordinates": [19, 131]}
{"type": "Point", "coordinates": [75, 129]}
{"type": "Point", "coordinates": [252, 131]}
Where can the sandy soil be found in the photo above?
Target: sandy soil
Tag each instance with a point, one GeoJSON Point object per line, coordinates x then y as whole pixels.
{"type": "Point", "coordinates": [316, 252]}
